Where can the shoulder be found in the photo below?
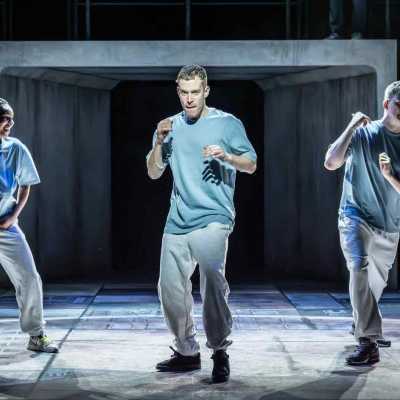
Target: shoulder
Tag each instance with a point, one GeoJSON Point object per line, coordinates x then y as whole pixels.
{"type": "Point", "coordinates": [13, 142]}
{"type": "Point", "coordinates": [370, 131]}
{"type": "Point", "coordinates": [226, 118]}
{"type": "Point", "coordinates": [177, 117]}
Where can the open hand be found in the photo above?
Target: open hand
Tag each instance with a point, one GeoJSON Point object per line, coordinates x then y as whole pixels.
{"type": "Point", "coordinates": [215, 151]}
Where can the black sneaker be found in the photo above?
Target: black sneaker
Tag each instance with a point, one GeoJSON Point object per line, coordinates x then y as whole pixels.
{"type": "Point", "coordinates": [366, 353]}
{"type": "Point", "coordinates": [179, 363]}
{"type": "Point", "coordinates": [221, 370]}
{"type": "Point", "coordinates": [381, 342]}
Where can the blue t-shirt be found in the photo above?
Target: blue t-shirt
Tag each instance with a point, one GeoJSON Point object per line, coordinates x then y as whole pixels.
{"type": "Point", "coordinates": [203, 187]}
{"type": "Point", "coordinates": [16, 169]}
{"type": "Point", "coordinates": [366, 193]}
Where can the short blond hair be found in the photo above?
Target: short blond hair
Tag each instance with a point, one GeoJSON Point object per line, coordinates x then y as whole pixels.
{"type": "Point", "coordinates": [189, 72]}
{"type": "Point", "coordinates": [393, 90]}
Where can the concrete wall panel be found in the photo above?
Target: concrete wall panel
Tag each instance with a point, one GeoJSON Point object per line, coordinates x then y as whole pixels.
{"type": "Point", "coordinates": [67, 219]}
{"type": "Point", "coordinates": [301, 197]}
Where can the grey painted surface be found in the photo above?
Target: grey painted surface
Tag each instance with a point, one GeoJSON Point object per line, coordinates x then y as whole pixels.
{"type": "Point", "coordinates": [301, 197]}
{"type": "Point", "coordinates": [289, 343]}
{"type": "Point", "coordinates": [67, 219]}
{"type": "Point", "coordinates": [377, 54]}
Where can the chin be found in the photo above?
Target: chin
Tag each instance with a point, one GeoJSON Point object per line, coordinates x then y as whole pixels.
{"type": "Point", "coordinates": [193, 116]}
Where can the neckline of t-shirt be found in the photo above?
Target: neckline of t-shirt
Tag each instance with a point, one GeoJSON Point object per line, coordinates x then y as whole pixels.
{"type": "Point", "coordinates": [211, 110]}
{"type": "Point", "coordinates": [388, 131]}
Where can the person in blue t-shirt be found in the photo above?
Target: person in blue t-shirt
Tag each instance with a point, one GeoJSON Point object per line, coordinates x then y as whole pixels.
{"type": "Point", "coordinates": [18, 173]}
{"type": "Point", "coordinates": [204, 147]}
{"type": "Point", "coordinates": [369, 215]}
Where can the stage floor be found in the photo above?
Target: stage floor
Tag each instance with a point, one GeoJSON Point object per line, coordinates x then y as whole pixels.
{"type": "Point", "coordinates": [289, 343]}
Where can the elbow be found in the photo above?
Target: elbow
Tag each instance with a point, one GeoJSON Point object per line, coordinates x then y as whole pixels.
{"type": "Point", "coordinates": [252, 168]}
{"type": "Point", "coordinates": [152, 176]}
{"type": "Point", "coordinates": [330, 165]}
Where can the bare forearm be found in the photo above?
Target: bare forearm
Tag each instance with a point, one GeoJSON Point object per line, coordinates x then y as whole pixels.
{"type": "Point", "coordinates": [336, 154]}
{"type": "Point", "coordinates": [22, 198]}
{"type": "Point", "coordinates": [394, 182]}
{"type": "Point", "coordinates": [155, 164]}
{"type": "Point", "coordinates": [241, 163]}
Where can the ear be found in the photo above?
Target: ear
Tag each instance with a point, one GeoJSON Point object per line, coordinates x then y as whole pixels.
{"type": "Point", "coordinates": [385, 104]}
{"type": "Point", "coordinates": [206, 91]}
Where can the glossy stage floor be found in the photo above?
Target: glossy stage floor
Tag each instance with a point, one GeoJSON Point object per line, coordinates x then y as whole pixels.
{"type": "Point", "coordinates": [289, 343]}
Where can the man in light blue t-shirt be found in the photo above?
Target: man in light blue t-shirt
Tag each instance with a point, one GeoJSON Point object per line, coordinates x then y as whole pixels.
{"type": "Point", "coordinates": [203, 147]}
{"type": "Point", "coordinates": [369, 215]}
{"type": "Point", "coordinates": [18, 173]}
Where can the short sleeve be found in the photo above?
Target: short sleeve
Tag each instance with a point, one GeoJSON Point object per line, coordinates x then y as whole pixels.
{"type": "Point", "coordinates": [236, 140]}
{"type": "Point", "coordinates": [27, 174]}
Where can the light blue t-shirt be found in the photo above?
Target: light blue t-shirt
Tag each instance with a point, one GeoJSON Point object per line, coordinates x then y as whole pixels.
{"type": "Point", "coordinates": [366, 193]}
{"type": "Point", "coordinates": [203, 187]}
{"type": "Point", "coordinates": [16, 169]}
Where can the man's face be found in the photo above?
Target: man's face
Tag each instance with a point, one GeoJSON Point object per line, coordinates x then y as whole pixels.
{"type": "Point", "coordinates": [392, 107]}
{"type": "Point", "coordinates": [192, 95]}
{"type": "Point", "coordinates": [6, 123]}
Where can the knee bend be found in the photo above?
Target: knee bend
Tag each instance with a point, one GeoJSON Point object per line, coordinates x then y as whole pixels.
{"type": "Point", "coordinates": [357, 264]}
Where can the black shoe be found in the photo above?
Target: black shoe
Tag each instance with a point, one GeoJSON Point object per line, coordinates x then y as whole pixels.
{"type": "Point", "coordinates": [382, 342]}
{"type": "Point", "coordinates": [180, 363]}
{"type": "Point", "coordinates": [366, 353]}
{"type": "Point", "coordinates": [334, 36]}
{"type": "Point", "coordinates": [221, 370]}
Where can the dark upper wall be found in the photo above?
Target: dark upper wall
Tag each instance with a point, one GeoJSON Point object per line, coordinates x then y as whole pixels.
{"type": "Point", "coordinates": [301, 197]}
{"type": "Point", "coordinates": [140, 206]}
{"type": "Point", "coordinates": [53, 20]}
{"type": "Point", "coordinates": [67, 218]}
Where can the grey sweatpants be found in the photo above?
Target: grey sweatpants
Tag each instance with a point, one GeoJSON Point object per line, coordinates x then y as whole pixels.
{"type": "Point", "coordinates": [369, 254]}
{"type": "Point", "coordinates": [17, 260]}
{"type": "Point", "coordinates": [179, 256]}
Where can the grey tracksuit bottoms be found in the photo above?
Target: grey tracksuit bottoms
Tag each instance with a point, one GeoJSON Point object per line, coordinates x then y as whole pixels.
{"type": "Point", "coordinates": [369, 254]}
{"type": "Point", "coordinates": [179, 256]}
{"type": "Point", "coordinates": [17, 260]}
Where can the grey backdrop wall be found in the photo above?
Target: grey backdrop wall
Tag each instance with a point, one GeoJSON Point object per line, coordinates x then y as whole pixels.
{"type": "Point", "coordinates": [301, 197]}
{"type": "Point", "coordinates": [68, 217]}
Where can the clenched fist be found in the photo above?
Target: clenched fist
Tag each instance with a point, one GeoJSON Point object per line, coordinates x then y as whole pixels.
{"type": "Point", "coordinates": [359, 119]}
{"type": "Point", "coordinates": [385, 165]}
{"type": "Point", "coordinates": [164, 127]}
{"type": "Point", "coordinates": [216, 151]}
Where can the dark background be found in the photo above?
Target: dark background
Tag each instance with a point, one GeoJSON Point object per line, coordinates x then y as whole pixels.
{"type": "Point", "coordinates": [54, 20]}
{"type": "Point", "coordinates": [140, 205]}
